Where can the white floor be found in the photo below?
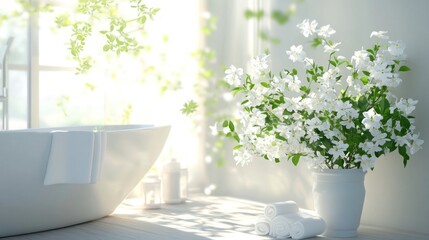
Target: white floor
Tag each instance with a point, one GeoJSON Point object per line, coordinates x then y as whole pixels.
{"type": "Point", "coordinates": [202, 217]}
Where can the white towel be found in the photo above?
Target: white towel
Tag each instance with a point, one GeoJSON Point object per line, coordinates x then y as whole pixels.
{"type": "Point", "coordinates": [280, 208]}
{"type": "Point", "coordinates": [307, 227]}
{"type": "Point", "coordinates": [280, 227]}
{"type": "Point", "coordinates": [99, 148]}
{"type": "Point", "coordinates": [262, 226]}
{"type": "Point", "coordinates": [75, 157]}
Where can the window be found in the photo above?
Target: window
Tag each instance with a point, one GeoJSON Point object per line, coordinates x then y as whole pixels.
{"type": "Point", "coordinates": [45, 90]}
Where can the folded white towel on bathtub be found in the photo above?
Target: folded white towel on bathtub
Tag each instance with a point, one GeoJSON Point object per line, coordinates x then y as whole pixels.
{"type": "Point", "coordinates": [75, 157]}
{"type": "Point", "coordinates": [99, 148]}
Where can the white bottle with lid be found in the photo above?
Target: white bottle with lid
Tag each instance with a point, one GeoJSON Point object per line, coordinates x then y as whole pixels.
{"type": "Point", "coordinates": [171, 182]}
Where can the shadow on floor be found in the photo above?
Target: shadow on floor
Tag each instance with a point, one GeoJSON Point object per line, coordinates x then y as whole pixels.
{"type": "Point", "coordinates": [111, 228]}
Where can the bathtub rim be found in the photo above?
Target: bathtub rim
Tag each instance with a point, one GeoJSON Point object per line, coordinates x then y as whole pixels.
{"type": "Point", "coordinates": [92, 128]}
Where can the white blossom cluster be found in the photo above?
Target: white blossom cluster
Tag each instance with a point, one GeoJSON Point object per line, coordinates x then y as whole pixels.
{"type": "Point", "coordinates": [342, 115]}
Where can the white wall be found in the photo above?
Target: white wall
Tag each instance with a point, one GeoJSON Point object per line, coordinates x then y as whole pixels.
{"type": "Point", "coordinates": [396, 197]}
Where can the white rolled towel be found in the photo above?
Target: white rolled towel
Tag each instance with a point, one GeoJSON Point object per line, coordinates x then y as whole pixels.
{"type": "Point", "coordinates": [280, 226]}
{"type": "Point", "coordinates": [262, 226]}
{"type": "Point", "coordinates": [309, 226]}
{"type": "Point", "coordinates": [280, 208]}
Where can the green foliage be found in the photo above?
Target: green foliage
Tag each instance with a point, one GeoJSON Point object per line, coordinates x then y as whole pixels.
{"type": "Point", "coordinates": [126, 115]}
{"type": "Point", "coordinates": [248, 14]}
{"type": "Point", "coordinates": [404, 69]}
{"type": "Point", "coordinates": [280, 17]}
{"type": "Point", "coordinates": [62, 103]}
{"type": "Point", "coordinates": [189, 107]}
{"type": "Point", "coordinates": [317, 41]}
{"type": "Point", "coordinates": [119, 35]}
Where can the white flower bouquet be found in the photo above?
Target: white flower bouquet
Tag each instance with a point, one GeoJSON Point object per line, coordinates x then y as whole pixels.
{"type": "Point", "coordinates": [338, 115]}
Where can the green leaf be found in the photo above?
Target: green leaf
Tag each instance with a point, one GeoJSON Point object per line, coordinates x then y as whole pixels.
{"type": "Point", "coordinates": [295, 159]}
{"type": "Point", "coordinates": [390, 145]}
{"type": "Point", "coordinates": [364, 80]}
{"type": "Point", "coordinates": [237, 90]}
{"type": "Point", "coordinates": [280, 17]}
{"type": "Point", "coordinates": [305, 89]}
{"type": "Point", "coordinates": [231, 126]}
{"type": "Point", "coordinates": [403, 152]}
{"type": "Point", "coordinates": [266, 85]}
{"type": "Point", "coordinates": [362, 103]}
{"type": "Point", "coordinates": [405, 122]}
{"type": "Point", "coordinates": [333, 63]}
{"type": "Point", "coordinates": [316, 42]}
{"type": "Point", "coordinates": [237, 147]}
{"type": "Point", "coordinates": [384, 106]}
{"type": "Point", "coordinates": [189, 107]}
{"type": "Point", "coordinates": [225, 124]}
{"type": "Point", "coordinates": [294, 71]}
{"type": "Point", "coordinates": [106, 47]}
{"type": "Point", "coordinates": [236, 137]}
{"type": "Point", "coordinates": [404, 69]}
{"type": "Point", "coordinates": [253, 14]}
{"type": "Point", "coordinates": [366, 73]}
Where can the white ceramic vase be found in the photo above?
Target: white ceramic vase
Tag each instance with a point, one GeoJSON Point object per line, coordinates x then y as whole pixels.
{"type": "Point", "coordinates": [338, 198]}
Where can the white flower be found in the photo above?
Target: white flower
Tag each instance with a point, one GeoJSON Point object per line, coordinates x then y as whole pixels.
{"type": "Point", "coordinates": [324, 126]}
{"type": "Point", "coordinates": [296, 53]}
{"type": "Point", "coordinates": [360, 59]}
{"type": "Point", "coordinates": [233, 75]}
{"type": "Point", "coordinates": [331, 48]}
{"type": "Point", "coordinates": [279, 84]}
{"type": "Point", "coordinates": [371, 119]}
{"type": "Point", "coordinates": [316, 161]}
{"type": "Point", "coordinates": [342, 108]}
{"type": "Point", "coordinates": [312, 136]}
{"type": "Point", "coordinates": [347, 122]}
{"type": "Point", "coordinates": [381, 73]}
{"type": "Point", "coordinates": [370, 147]}
{"type": "Point", "coordinates": [326, 31]}
{"type": "Point", "coordinates": [406, 106]}
{"type": "Point", "coordinates": [307, 28]}
{"type": "Point", "coordinates": [214, 129]}
{"type": "Point", "coordinates": [293, 83]}
{"type": "Point", "coordinates": [415, 143]}
{"type": "Point", "coordinates": [329, 78]}
{"type": "Point", "coordinates": [366, 163]}
{"type": "Point", "coordinates": [379, 34]}
{"type": "Point", "coordinates": [338, 150]}
{"type": "Point", "coordinates": [259, 64]}
{"type": "Point", "coordinates": [308, 62]}
{"type": "Point", "coordinates": [396, 48]}
{"type": "Point", "coordinates": [242, 156]}
{"type": "Point", "coordinates": [257, 118]}
{"type": "Point", "coordinates": [401, 140]}
{"type": "Point", "coordinates": [379, 137]}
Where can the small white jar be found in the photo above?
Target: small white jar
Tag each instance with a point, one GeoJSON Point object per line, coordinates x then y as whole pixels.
{"type": "Point", "coordinates": [151, 192]}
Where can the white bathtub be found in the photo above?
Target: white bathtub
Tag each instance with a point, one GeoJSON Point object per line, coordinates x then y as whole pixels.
{"type": "Point", "coordinates": [27, 205]}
